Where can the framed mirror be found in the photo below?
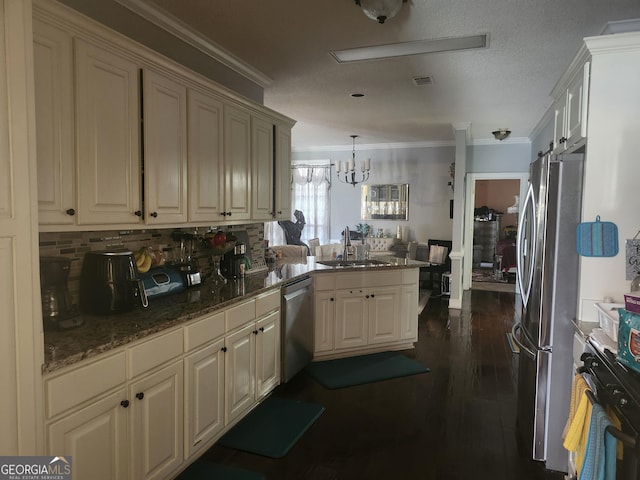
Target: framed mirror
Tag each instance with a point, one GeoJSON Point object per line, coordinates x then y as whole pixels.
{"type": "Point", "coordinates": [385, 202]}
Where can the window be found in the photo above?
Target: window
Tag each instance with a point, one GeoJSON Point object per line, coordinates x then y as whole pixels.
{"type": "Point", "coordinates": [310, 187]}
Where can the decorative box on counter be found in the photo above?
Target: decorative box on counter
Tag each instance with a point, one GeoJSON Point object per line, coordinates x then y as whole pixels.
{"type": "Point", "coordinates": [632, 302]}
{"type": "Point", "coordinates": [629, 339]}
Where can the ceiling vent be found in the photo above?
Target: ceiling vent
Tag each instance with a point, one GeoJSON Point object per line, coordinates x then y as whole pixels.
{"type": "Point", "coordinates": [424, 80]}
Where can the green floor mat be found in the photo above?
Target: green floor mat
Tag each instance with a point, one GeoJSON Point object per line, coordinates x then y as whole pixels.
{"type": "Point", "coordinates": [346, 372]}
{"type": "Point", "coordinates": [273, 427]}
{"type": "Point", "coordinates": [203, 470]}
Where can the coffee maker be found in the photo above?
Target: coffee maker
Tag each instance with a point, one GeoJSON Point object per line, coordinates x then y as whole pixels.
{"type": "Point", "coordinates": [233, 262]}
{"type": "Point", "coordinates": [57, 311]}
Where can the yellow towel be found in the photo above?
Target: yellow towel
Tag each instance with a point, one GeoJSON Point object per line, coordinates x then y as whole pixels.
{"type": "Point", "coordinates": [578, 434]}
{"type": "Point", "coordinates": [579, 386]}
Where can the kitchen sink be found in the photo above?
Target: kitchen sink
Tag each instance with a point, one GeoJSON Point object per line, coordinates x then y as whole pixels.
{"type": "Point", "coordinates": [351, 263]}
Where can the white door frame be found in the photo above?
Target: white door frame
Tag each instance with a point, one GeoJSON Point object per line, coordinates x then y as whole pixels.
{"type": "Point", "coordinates": [470, 197]}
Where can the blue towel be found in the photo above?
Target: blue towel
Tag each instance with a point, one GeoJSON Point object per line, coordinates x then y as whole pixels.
{"type": "Point", "coordinates": [600, 456]}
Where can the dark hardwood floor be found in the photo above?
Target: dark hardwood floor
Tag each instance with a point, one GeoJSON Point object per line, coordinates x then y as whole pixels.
{"type": "Point", "coordinates": [455, 422]}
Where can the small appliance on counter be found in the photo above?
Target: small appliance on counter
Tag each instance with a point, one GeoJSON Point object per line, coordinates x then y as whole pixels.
{"type": "Point", "coordinates": [186, 262]}
{"type": "Point", "coordinates": [110, 283]}
{"type": "Point", "coordinates": [162, 281]}
{"type": "Point", "coordinates": [233, 263]}
{"type": "Point", "coordinates": [57, 311]}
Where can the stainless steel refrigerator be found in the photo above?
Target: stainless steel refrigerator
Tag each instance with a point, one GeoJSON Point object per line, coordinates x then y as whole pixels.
{"type": "Point", "coordinates": [547, 276]}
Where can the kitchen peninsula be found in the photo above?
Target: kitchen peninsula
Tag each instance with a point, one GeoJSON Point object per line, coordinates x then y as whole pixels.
{"type": "Point", "coordinates": [165, 382]}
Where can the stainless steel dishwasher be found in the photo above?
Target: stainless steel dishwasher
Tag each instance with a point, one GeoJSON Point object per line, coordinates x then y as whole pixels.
{"type": "Point", "coordinates": [297, 327]}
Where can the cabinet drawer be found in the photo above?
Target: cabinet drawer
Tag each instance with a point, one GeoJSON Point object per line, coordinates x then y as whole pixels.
{"type": "Point", "coordinates": [155, 352]}
{"type": "Point", "coordinates": [267, 302]}
{"type": "Point", "coordinates": [368, 279]}
{"type": "Point", "coordinates": [203, 331]}
{"type": "Point", "coordinates": [73, 388]}
{"type": "Point", "coordinates": [324, 281]}
{"type": "Point", "coordinates": [240, 314]}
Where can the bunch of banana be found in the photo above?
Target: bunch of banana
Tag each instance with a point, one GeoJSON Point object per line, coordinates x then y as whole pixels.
{"type": "Point", "coordinates": [143, 259]}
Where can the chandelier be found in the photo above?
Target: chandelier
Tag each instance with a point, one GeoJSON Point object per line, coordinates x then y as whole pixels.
{"type": "Point", "coordinates": [349, 171]}
{"type": "Point", "coordinates": [380, 10]}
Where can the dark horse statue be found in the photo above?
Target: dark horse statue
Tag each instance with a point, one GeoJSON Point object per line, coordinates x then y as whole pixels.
{"type": "Point", "coordinates": [293, 231]}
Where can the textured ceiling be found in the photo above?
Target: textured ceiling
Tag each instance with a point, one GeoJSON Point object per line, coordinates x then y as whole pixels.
{"type": "Point", "coordinates": [531, 42]}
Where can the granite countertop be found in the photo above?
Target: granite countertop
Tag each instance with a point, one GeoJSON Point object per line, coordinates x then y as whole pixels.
{"type": "Point", "coordinates": [100, 334]}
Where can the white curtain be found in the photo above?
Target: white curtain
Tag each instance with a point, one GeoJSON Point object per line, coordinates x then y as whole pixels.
{"type": "Point", "coordinates": [310, 187]}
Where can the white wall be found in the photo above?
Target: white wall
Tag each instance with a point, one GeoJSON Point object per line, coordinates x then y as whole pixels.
{"type": "Point", "coordinates": [612, 169]}
{"type": "Point", "coordinates": [425, 169]}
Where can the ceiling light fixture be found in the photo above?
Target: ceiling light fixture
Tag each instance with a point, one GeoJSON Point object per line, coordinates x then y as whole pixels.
{"type": "Point", "coordinates": [380, 10]}
{"type": "Point", "coordinates": [501, 134]}
{"type": "Point", "coordinates": [350, 168]}
{"type": "Point", "coordinates": [417, 47]}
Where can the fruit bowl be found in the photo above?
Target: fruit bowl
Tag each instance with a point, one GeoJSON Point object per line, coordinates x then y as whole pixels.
{"type": "Point", "coordinates": [219, 249]}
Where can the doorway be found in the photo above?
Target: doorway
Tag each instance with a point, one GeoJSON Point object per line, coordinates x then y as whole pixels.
{"type": "Point", "coordinates": [489, 230]}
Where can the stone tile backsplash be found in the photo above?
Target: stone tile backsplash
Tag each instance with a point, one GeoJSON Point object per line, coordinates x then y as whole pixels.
{"type": "Point", "coordinates": [75, 245]}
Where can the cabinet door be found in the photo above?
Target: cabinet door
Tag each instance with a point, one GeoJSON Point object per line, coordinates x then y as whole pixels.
{"type": "Point", "coordinates": [239, 372]}
{"type": "Point", "coordinates": [324, 318]}
{"type": "Point", "coordinates": [559, 124]}
{"type": "Point", "coordinates": [157, 420]}
{"type": "Point", "coordinates": [352, 323]}
{"type": "Point", "coordinates": [53, 63]}
{"type": "Point", "coordinates": [262, 169]}
{"type": "Point", "coordinates": [204, 396]}
{"type": "Point", "coordinates": [576, 106]}
{"type": "Point", "coordinates": [267, 354]}
{"type": "Point", "coordinates": [283, 173]}
{"type": "Point", "coordinates": [237, 163]}
{"type": "Point", "coordinates": [206, 169]}
{"type": "Point", "coordinates": [165, 149]}
{"type": "Point", "coordinates": [107, 136]}
{"type": "Point", "coordinates": [384, 314]}
{"type": "Point", "coordinates": [96, 438]}
{"type": "Point", "coordinates": [409, 312]}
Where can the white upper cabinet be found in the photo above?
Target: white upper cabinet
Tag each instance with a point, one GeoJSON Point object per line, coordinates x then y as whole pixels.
{"type": "Point", "coordinates": [283, 172]}
{"type": "Point", "coordinates": [127, 138]}
{"type": "Point", "coordinates": [262, 168]}
{"type": "Point", "coordinates": [206, 169]}
{"type": "Point", "coordinates": [577, 106]}
{"type": "Point", "coordinates": [165, 149]}
{"type": "Point", "coordinates": [53, 65]}
{"type": "Point", "coordinates": [237, 163]}
{"type": "Point", "coordinates": [570, 111]}
{"type": "Point", "coordinates": [107, 136]}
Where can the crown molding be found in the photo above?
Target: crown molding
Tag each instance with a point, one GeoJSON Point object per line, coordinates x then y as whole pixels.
{"type": "Point", "coordinates": [374, 146]}
{"type": "Point", "coordinates": [399, 146]}
{"type": "Point", "coordinates": [180, 30]}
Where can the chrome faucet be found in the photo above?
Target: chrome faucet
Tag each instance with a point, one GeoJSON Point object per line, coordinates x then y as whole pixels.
{"type": "Point", "coordinates": [348, 249]}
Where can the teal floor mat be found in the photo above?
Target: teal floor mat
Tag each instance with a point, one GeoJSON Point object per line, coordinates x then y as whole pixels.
{"type": "Point", "coordinates": [273, 427]}
{"type": "Point", "coordinates": [347, 372]}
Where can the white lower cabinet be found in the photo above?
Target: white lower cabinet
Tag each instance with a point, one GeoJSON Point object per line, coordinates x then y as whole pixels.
{"type": "Point", "coordinates": [267, 354]}
{"type": "Point", "coordinates": [204, 396]}
{"type": "Point", "coordinates": [143, 411]}
{"type": "Point", "coordinates": [239, 372]}
{"type": "Point", "coordinates": [324, 321]}
{"type": "Point", "coordinates": [133, 432]}
{"type": "Point", "coordinates": [95, 437]}
{"type": "Point", "coordinates": [378, 311]}
{"type": "Point", "coordinates": [252, 364]}
{"type": "Point", "coordinates": [157, 423]}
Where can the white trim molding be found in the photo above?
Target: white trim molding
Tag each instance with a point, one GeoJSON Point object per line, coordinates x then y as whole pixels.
{"type": "Point", "coordinates": [180, 30]}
